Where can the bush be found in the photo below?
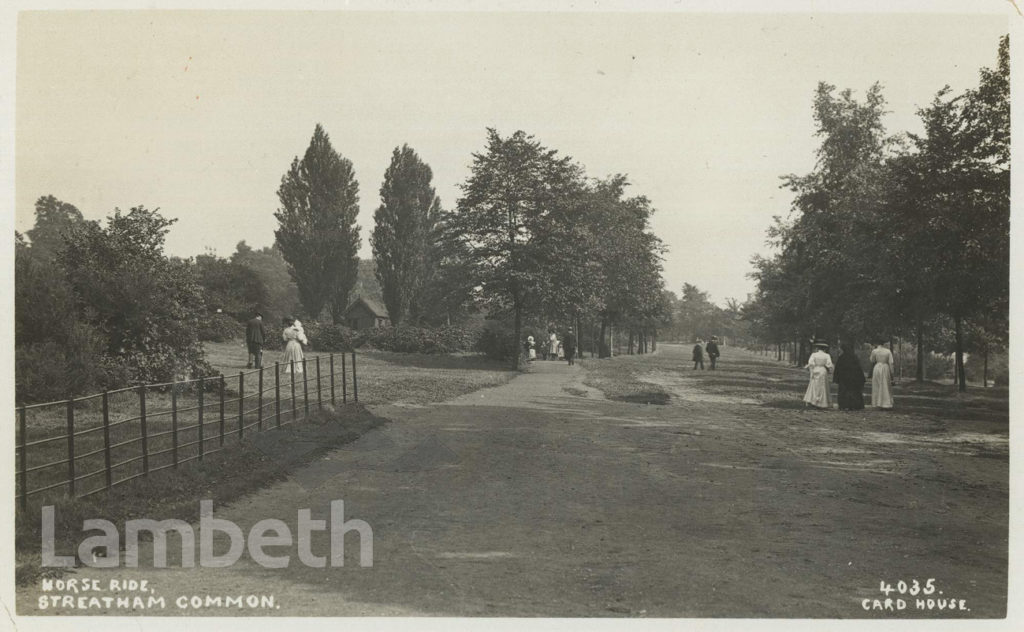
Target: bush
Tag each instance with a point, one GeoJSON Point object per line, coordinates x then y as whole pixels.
{"type": "Point", "coordinates": [409, 339]}
{"type": "Point", "coordinates": [329, 337]}
{"type": "Point", "coordinates": [498, 342]}
{"type": "Point", "coordinates": [220, 328]}
{"type": "Point", "coordinates": [51, 370]}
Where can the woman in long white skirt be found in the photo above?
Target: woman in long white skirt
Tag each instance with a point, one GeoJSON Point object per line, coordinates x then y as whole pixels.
{"type": "Point", "coordinates": [293, 338]}
{"type": "Point", "coordinates": [818, 387]}
{"type": "Point", "coordinates": [881, 377]}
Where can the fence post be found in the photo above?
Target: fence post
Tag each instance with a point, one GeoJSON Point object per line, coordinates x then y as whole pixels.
{"type": "Point", "coordinates": [319, 390]}
{"type": "Point", "coordinates": [332, 379]}
{"type": "Point", "coordinates": [277, 394]}
{"type": "Point", "coordinates": [144, 430]}
{"type": "Point", "coordinates": [174, 424]}
{"type": "Point", "coordinates": [106, 441]}
{"type": "Point", "coordinates": [344, 380]}
{"type": "Point", "coordinates": [241, 405]}
{"type": "Point", "coordinates": [355, 379]}
{"type": "Point", "coordinates": [202, 387]}
{"type": "Point", "coordinates": [305, 388]}
{"type": "Point", "coordinates": [23, 439]}
{"type": "Point", "coordinates": [71, 447]}
{"type": "Point", "coordinates": [223, 387]}
{"type": "Point", "coordinates": [292, 365]}
{"type": "Point", "coordinates": [259, 400]}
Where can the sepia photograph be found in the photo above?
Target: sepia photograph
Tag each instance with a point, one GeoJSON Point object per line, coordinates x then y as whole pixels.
{"type": "Point", "coordinates": [681, 315]}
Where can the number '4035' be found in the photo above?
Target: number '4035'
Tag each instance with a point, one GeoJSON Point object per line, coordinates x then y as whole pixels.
{"type": "Point", "coordinates": [913, 588]}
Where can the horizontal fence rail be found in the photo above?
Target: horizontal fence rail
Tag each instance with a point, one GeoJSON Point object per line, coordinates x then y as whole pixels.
{"type": "Point", "coordinates": [87, 445]}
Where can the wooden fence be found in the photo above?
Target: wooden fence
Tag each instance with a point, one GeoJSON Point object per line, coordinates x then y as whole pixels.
{"type": "Point", "coordinates": [87, 445]}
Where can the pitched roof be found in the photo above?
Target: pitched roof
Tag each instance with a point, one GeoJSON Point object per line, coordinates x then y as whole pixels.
{"type": "Point", "coordinates": [376, 308]}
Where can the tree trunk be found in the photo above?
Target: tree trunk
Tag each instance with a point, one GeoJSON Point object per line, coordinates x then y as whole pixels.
{"type": "Point", "coordinates": [959, 367]}
{"type": "Point", "coordinates": [920, 352]}
{"type": "Point", "coordinates": [518, 328]}
{"type": "Point", "coordinates": [630, 351]}
{"type": "Point", "coordinates": [602, 351]}
{"type": "Point", "coordinates": [985, 370]}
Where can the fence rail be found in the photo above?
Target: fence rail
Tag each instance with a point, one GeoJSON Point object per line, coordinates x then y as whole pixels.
{"type": "Point", "coordinates": [90, 444]}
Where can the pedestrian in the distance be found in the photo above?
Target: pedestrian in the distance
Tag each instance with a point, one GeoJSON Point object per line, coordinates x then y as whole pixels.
{"type": "Point", "coordinates": [819, 365]}
{"type": "Point", "coordinates": [698, 356]}
{"type": "Point", "coordinates": [713, 352]}
{"type": "Point", "coordinates": [255, 336]}
{"type": "Point", "coordinates": [293, 338]}
{"type": "Point", "coordinates": [569, 344]}
{"type": "Point", "coordinates": [552, 347]}
{"type": "Point", "coordinates": [531, 351]}
{"type": "Point", "coordinates": [881, 377]}
{"type": "Point", "coordinates": [850, 377]}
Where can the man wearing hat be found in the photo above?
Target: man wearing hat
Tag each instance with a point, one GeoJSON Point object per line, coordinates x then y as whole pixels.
{"type": "Point", "coordinates": [254, 338]}
{"type": "Point", "coordinates": [712, 351]}
{"type": "Point", "coordinates": [569, 346]}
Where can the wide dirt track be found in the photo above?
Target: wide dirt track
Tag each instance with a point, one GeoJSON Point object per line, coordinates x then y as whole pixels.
{"type": "Point", "coordinates": [544, 497]}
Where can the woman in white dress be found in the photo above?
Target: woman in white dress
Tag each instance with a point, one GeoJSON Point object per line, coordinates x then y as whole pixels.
{"type": "Point", "coordinates": [293, 337]}
{"type": "Point", "coordinates": [553, 345]}
{"type": "Point", "coordinates": [819, 365]}
{"type": "Point", "coordinates": [531, 351]}
{"type": "Point", "coordinates": [881, 377]}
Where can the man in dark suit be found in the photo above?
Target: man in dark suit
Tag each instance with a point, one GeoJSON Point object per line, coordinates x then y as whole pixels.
{"type": "Point", "coordinates": [569, 347]}
{"type": "Point", "coordinates": [254, 338]}
{"type": "Point", "coordinates": [712, 351]}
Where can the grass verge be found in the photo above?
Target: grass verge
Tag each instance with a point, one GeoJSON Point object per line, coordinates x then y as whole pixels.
{"type": "Point", "coordinates": [618, 378]}
{"type": "Point", "coordinates": [264, 458]}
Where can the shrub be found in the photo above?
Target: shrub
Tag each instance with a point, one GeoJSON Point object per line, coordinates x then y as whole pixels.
{"type": "Point", "coordinates": [52, 370]}
{"type": "Point", "coordinates": [220, 328]}
{"type": "Point", "coordinates": [498, 342]}
{"type": "Point", "coordinates": [329, 337]}
{"type": "Point", "coordinates": [409, 339]}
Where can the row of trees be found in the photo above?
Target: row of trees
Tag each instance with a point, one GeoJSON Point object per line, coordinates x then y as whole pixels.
{"type": "Point", "coordinates": [897, 235]}
{"type": "Point", "coordinates": [530, 235]}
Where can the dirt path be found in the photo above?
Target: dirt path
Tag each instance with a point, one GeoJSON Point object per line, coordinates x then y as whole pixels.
{"type": "Point", "coordinates": [541, 497]}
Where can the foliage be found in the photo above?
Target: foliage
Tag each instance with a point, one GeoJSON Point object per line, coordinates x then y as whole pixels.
{"type": "Point", "coordinates": [269, 266]}
{"type": "Point", "coordinates": [498, 341]}
{"type": "Point", "coordinates": [317, 232]}
{"type": "Point", "coordinates": [220, 328]}
{"type": "Point", "coordinates": [54, 219]}
{"type": "Point", "coordinates": [233, 288]}
{"type": "Point", "coordinates": [147, 305]}
{"type": "Point", "coordinates": [409, 339]}
{"type": "Point", "coordinates": [331, 337]}
{"type": "Point", "coordinates": [404, 227]}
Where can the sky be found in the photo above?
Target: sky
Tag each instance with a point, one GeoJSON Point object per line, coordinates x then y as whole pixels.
{"type": "Point", "coordinates": [199, 114]}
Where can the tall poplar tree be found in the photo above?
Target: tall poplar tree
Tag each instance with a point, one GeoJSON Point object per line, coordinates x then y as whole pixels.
{"type": "Point", "coordinates": [317, 234]}
{"type": "Point", "coordinates": [403, 232]}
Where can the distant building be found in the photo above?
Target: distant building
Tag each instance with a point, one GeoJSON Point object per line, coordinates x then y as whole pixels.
{"type": "Point", "coordinates": [366, 313]}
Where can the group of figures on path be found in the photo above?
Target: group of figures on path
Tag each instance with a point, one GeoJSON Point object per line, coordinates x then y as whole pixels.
{"type": "Point", "coordinates": [293, 335]}
{"type": "Point", "coordinates": [554, 348]}
{"type": "Point", "coordinates": [848, 374]}
{"type": "Point", "coordinates": [711, 349]}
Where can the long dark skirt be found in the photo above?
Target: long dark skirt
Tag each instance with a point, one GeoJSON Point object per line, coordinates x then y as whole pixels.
{"type": "Point", "coordinates": [851, 397]}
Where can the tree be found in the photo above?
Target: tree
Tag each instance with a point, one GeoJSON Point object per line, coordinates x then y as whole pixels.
{"type": "Point", "coordinates": [317, 233]}
{"type": "Point", "coordinates": [147, 305]}
{"type": "Point", "coordinates": [404, 226]}
{"type": "Point", "coordinates": [502, 216]}
{"type": "Point", "coordinates": [282, 295]}
{"type": "Point", "coordinates": [54, 219]}
{"type": "Point", "coordinates": [230, 287]}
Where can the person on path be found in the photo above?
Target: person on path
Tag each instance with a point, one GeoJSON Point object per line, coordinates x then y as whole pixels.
{"type": "Point", "coordinates": [255, 336]}
{"type": "Point", "coordinates": [713, 352]}
{"type": "Point", "coordinates": [531, 351]}
{"type": "Point", "coordinates": [293, 338]}
{"type": "Point", "coordinates": [698, 356]}
{"type": "Point", "coordinates": [881, 377]}
{"type": "Point", "coordinates": [553, 346]}
{"type": "Point", "coordinates": [569, 345]}
{"type": "Point", "coordinates": [818, 366]}
{"type": "Point", "coordinates": [850, 377]}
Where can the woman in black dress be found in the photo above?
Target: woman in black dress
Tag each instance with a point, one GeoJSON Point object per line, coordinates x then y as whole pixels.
{"type": "Point", "coordinates": [850, 377]}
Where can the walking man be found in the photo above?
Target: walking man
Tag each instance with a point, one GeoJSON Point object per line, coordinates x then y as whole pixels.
{"type": "Point", "coordinates": [712, 350]}
{"type": "Point", "coordinates": [698, 356]}
{"type": "Point", "coordinates": [254, 338]}
{"type": "Point", "coordinates": [569, 347]}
